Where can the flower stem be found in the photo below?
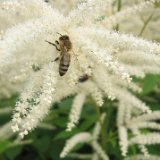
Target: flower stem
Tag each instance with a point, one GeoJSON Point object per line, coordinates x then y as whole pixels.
{"type": "Point", "coordinates": [119, 6]}
{"type": "Point", "coordinates": [103, 136]}
{"type": "Point", "coordinates": [145, 24]}
{"type": "Point", "coordinates": [19, 143]}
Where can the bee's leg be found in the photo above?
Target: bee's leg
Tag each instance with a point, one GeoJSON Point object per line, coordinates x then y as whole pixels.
{"type": "Point", "coordinates": [53, 45]}
{"type": "Point", "coordinates": [56, 42]}
{"type": "Point", "coordinates": [56, 59]}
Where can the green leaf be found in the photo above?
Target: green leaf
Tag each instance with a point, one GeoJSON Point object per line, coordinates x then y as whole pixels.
{"type": "Point", "coordinates": [4, 145]}
{"type": "Point", "coordinates": [61, 121]}
{"type": "Point", "coordinates": [150, 83]}
{"type": "Point", "coordinates": [55, 151]}
{"type": "Point", "coordinates": [87, 123]}
{"type": "Point", "coordinates": [66, 103]}
{"type": "Point", "coordinates": [12, 153]}
{"type": "Point", "coordinates": [64, 134]}
{"type": "Point", "coordinates": [42, 144]}
{"type": "Point", "coordinates": [80, 127]}
{"type": "Point", "coordinates": [157, 4]}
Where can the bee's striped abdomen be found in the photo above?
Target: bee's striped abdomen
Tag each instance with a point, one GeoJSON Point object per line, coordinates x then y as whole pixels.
{"type": "Point", "coordinates": [64, 64]}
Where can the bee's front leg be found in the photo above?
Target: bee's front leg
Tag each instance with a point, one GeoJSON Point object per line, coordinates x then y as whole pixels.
{"type": "Point", "coordinates": [54, 45]}
{"type": "Point", "coordinates": [56, 42]}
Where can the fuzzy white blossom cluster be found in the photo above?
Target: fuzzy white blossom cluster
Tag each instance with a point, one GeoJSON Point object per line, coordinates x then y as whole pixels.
{"type": "Point", "coordinates": [108, 58]}
{"type": "Point", "coordinates": [86, 137]}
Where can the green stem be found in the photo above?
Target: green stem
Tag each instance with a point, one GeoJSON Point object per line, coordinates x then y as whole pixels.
{"type": "Point", "coordinates": [20, 143]}
{"type": "Point", "coordinates": [5, 110]}
{"type": "Point", "coordinates": [103, 136]}
{"type": "Point", "coordinates": [110, 122]}
{"type": "Point", "coordinates": [145, 24]}
{"type": "Point", "coordinates": [119, 6]}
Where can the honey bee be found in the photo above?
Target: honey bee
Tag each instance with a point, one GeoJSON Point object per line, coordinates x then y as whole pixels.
{"type": "Point", "coordinates": [65, 45]}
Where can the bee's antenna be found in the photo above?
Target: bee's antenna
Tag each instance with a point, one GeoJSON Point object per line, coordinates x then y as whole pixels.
{"type": "Point", "coordinates": [59, 33]}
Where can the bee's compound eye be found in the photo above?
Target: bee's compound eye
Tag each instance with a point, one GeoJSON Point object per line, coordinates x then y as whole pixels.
{"type": "Point", "coordinates": [66, 37]}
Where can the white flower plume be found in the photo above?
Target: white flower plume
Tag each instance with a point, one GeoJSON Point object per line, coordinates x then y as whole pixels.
{"type": "Point", "coordinates": [103, 62]}
{"type": "Point", "coordinates": [89, 138]}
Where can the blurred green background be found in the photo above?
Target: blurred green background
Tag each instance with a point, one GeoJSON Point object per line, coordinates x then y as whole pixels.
{"type": "Point", "coordinates": [47, 141]}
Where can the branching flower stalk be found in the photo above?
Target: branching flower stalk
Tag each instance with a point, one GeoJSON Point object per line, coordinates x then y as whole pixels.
{"type": "Point", "coordinates": [108, 58]}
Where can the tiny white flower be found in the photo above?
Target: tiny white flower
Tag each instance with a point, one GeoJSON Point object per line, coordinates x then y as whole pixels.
{"type": "Point", "coordinates": [15, 128]}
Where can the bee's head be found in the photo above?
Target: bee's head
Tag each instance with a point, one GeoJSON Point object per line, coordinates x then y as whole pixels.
{"type": "Point", "coordinates": [64, 38]}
